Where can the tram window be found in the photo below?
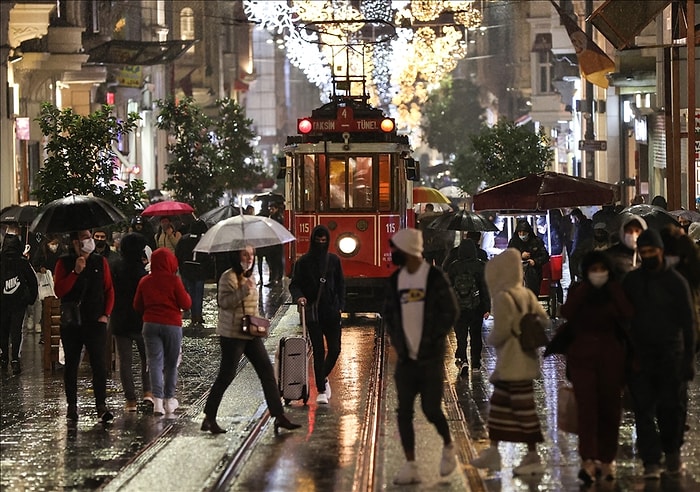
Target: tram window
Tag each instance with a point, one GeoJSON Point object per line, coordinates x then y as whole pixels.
{"type": "Point", "coordinates": [306, 186]}
{"type": "Point", "coordinates": [338, 182]}
{"type": "Point", "coordinates": [362, 183]}
{"type": "Point", "coordinates": [384, 183]}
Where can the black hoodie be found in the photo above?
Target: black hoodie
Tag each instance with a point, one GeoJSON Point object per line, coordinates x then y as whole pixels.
{"type": "Point", "coordinates": [126, 273]}
{"type": "Point", "coordinates": [19, 284]}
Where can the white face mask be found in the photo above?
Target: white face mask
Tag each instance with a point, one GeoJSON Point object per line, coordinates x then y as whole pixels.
{"type": "Point", "coordinates": [53, 247]}
{"type": "Point", "coordinates": [524, 237]}
{"type": "Point", "coordinates": [87, 245]}
{"type": "Point", "coordinates": [630, 240]}
{"type": "Point", "coordinates": [246, 266]}
{"type": "Point", "coordinates": [598, 279]}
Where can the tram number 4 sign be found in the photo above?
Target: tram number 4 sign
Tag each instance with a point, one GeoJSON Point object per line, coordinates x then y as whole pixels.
{"type": "Point", "coordinates": [593, 145]}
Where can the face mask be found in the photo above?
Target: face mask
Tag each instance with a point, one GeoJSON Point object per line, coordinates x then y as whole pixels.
{"type": "Point", "coordinates": [53, 247]}
{"type": "Point", "coordinates": [524, 237]}
{"type": "Point", "coordinates": [598, 279]}
{"type": "Point", "coordinates": [87, 245]}
{"type": "Point", "coordinates": [246, 266]}
{"type": "Point", "coordinates": [630, 240]}
{"type": "Point", "coordinates": [100, 244]}
{"type": "Point", "coordinates": [651, 262]}
{"type": "Point", "coordinates": [398, 257]}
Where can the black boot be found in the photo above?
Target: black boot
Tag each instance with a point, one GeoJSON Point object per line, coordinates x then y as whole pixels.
{"type": "Point", "coordinates": [209, 424]}
{"type": "Point", "coordinates": [285, 423]}
{"type": "Point", "coordinates": [16, 367]}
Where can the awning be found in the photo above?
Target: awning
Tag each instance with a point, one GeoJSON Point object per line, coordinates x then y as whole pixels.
{"type": "Point", "coordinates": [620, 21]}
{"type": "Point", "coordinates": [119, 52]}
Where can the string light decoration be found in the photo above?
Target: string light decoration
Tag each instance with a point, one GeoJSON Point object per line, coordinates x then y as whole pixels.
{"type": "Point", "coordinates": [428, 41]}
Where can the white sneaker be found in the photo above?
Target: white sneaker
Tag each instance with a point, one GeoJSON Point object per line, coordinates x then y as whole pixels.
{"type": "Point", "coordinates": [322, 398]}
{"type": "Point", "coordinates": [489, 458]}
{"type": "Point", "coordinates": [158, 406]}
{"type": "Point", "coordinates": [170, 405]}
{"type": "Point", "coordinates": [408, 474]}
{"type": "Point", "coordinates": [328, 389]}
{"type": "Point", "coordinates": [529, 465]}
{"type": "Point", "coordinates": [448, 463]}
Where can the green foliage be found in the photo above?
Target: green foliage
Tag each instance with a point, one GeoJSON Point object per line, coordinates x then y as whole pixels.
{"type": "Point", "coordinates": [507, 151]}
{"type": "Point", "coordinates": [237, 167]}
{"type": "Point", "coordinates": [192, 167]}
{"type": "Point", "coordinates": [206, 158]}
{"type": "Point", "coordinates": [80, 159]}
{"type": "Point", "coordinates": [451, 115]}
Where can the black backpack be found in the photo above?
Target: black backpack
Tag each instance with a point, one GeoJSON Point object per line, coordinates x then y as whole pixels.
{"type": "Point", "coordinates": [15, 287]}
{"type": "Point", "coordinates": [466, 287]}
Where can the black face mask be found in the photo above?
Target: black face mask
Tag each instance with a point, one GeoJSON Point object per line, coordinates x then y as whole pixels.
{"type": "Point", "coordinates": [651, 262]}
{"type": "Point", "coordinates": [100, 244]}
{"type": "Point", "coordinates": [398, 257]}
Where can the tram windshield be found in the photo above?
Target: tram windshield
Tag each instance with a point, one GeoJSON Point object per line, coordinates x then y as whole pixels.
{"type": "Point", "coordinates": [337, 182]}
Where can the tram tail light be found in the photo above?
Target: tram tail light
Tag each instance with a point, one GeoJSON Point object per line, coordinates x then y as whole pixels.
{"type": "Point", "coordinates": [304, 126]}
{"type": "Point", "coordinates": [387, 125]}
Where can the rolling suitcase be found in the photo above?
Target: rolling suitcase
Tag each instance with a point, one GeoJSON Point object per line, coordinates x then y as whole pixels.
{"type": "Point", "coordinates": [293, 366]}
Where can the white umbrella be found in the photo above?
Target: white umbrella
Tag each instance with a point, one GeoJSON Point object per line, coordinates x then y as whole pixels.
{"type": "Point", "coordinates": [242, 230]}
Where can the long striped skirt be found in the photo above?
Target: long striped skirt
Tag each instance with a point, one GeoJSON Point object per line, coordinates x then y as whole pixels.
{"type": "Point", "coordinates": [513, 416]}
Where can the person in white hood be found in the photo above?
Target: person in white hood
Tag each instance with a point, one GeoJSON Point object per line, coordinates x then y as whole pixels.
{"type": "Point", "coordinates": [624, 254]}
{"type": "Point", "coordinates": [513, 414]}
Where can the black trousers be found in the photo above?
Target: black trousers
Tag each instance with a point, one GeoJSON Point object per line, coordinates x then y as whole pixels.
{"type": "Point", "coordinates": [92, 336]}
{"type": "Point", "coordinates": [424, 379]}
{"type": "Point", "coordinates": [231, 351]}
{"type": "Point", "coordinates": [328, 327]}
{"type": "Point", "coordinates": [469, 326]}
{"type": "Point", "coordinates": [11, 331]}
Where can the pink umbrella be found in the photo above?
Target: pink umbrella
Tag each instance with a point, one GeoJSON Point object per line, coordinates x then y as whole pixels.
{"type": "Point", "coordinates": [168, 207]}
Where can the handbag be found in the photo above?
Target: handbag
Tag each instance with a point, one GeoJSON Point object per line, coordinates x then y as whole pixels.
{"type": "Point", "coordinates": [255, 326]}
{"type": "Point", "coordinates": [567, 411]}
{"type": "Point", "coordinates": [312, 309]}
{"type": "Point", "coordinates": [532, 334]}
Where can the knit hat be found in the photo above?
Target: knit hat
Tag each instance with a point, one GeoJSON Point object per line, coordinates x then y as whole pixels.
{"type": "Point", "coordinates": [410, 241]}
{"type": "Point", "coordinates": [650, 237]}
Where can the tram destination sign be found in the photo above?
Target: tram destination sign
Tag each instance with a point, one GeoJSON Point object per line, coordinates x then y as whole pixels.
{"type": "Point", "coordinates": [354, 125]}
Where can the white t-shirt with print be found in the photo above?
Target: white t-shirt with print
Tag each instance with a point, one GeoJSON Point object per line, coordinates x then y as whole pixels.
{"type": "Point", "coordinates": [412, 287]}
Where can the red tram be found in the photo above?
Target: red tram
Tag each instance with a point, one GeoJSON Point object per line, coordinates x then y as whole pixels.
{"type": "Point", "coordinates": [349, 170]}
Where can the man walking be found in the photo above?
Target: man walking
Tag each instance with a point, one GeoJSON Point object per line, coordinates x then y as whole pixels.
{"type": "Point", "coordinates": [663, 334]}
{"type": "Point", "coordinates": [83, 282]}
{"type": "Point", "coordinates": [420, 310]}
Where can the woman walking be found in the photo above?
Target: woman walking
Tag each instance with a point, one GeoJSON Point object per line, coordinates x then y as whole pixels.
{"type": "Point", "coordinates": [160, 298]}
{"type": "Point", "coordinates": [238, 297]}
{"type": "Point", "coordinates": [597, 311]}
{"type": "Point", "coordinates": [512, 414]}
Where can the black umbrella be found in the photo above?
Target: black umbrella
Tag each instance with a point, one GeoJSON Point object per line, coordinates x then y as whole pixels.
{"type": "Point", "coordinates": [462, 220]}
{"type": "Point", "coordinates": [21, 214]}
{"type": "Point", "coordinates": [218, 214]}
{"type": "Point", "coordinates": [655, 217]}
{"type": "Point", "coordinates": [269, 198]}
{"type": "Point", "coordinates": [76, 213]}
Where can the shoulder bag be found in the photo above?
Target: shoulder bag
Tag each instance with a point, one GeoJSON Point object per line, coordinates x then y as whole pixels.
{"type": "Point", "coordinates": [532, 334]}
{"type": "Point", "coordinates": [254, 325]}
{"type": "Point", "coordinates": [312, 309]}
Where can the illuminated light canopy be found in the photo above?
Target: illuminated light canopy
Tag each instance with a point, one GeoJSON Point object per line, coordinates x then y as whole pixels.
{"type": "Point", "coordinates": [402, 67]}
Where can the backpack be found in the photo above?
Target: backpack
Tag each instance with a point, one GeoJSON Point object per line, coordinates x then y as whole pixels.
{"type": "Point", "coordinates": [467, 289]}
{"type": "Point", "coordinates": [532, 334]}
{"type": "Point", "coordinates": [15, 289]}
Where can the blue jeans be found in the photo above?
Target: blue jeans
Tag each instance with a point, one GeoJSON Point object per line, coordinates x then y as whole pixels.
{"type": "Point", "coordinates": [195, 288]}
{"type": "Point", "coordinates": [162, 352]}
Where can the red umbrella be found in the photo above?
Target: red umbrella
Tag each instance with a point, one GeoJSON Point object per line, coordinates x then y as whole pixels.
{"type": "Point", "coordinates": [168, 207]}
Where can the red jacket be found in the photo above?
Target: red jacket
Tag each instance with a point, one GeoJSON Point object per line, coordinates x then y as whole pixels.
{"type": "Point", "coordinates": [160, 296]}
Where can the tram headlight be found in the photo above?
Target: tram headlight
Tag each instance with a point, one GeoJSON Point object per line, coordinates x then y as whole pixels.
{"type": "Point", "coordinates": [304, 126]}
{"type": "Point", "coordinates": [348, 244]}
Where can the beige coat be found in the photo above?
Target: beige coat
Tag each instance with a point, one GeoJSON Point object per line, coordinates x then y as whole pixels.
{"type": "Point", "coordinates": [504, 273]}
{"type": "Point", "coordinates": [230, 308]}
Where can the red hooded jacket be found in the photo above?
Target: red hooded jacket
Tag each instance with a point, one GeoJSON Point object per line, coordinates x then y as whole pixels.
{"type": "Point", "coordinates": [161, 297]}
